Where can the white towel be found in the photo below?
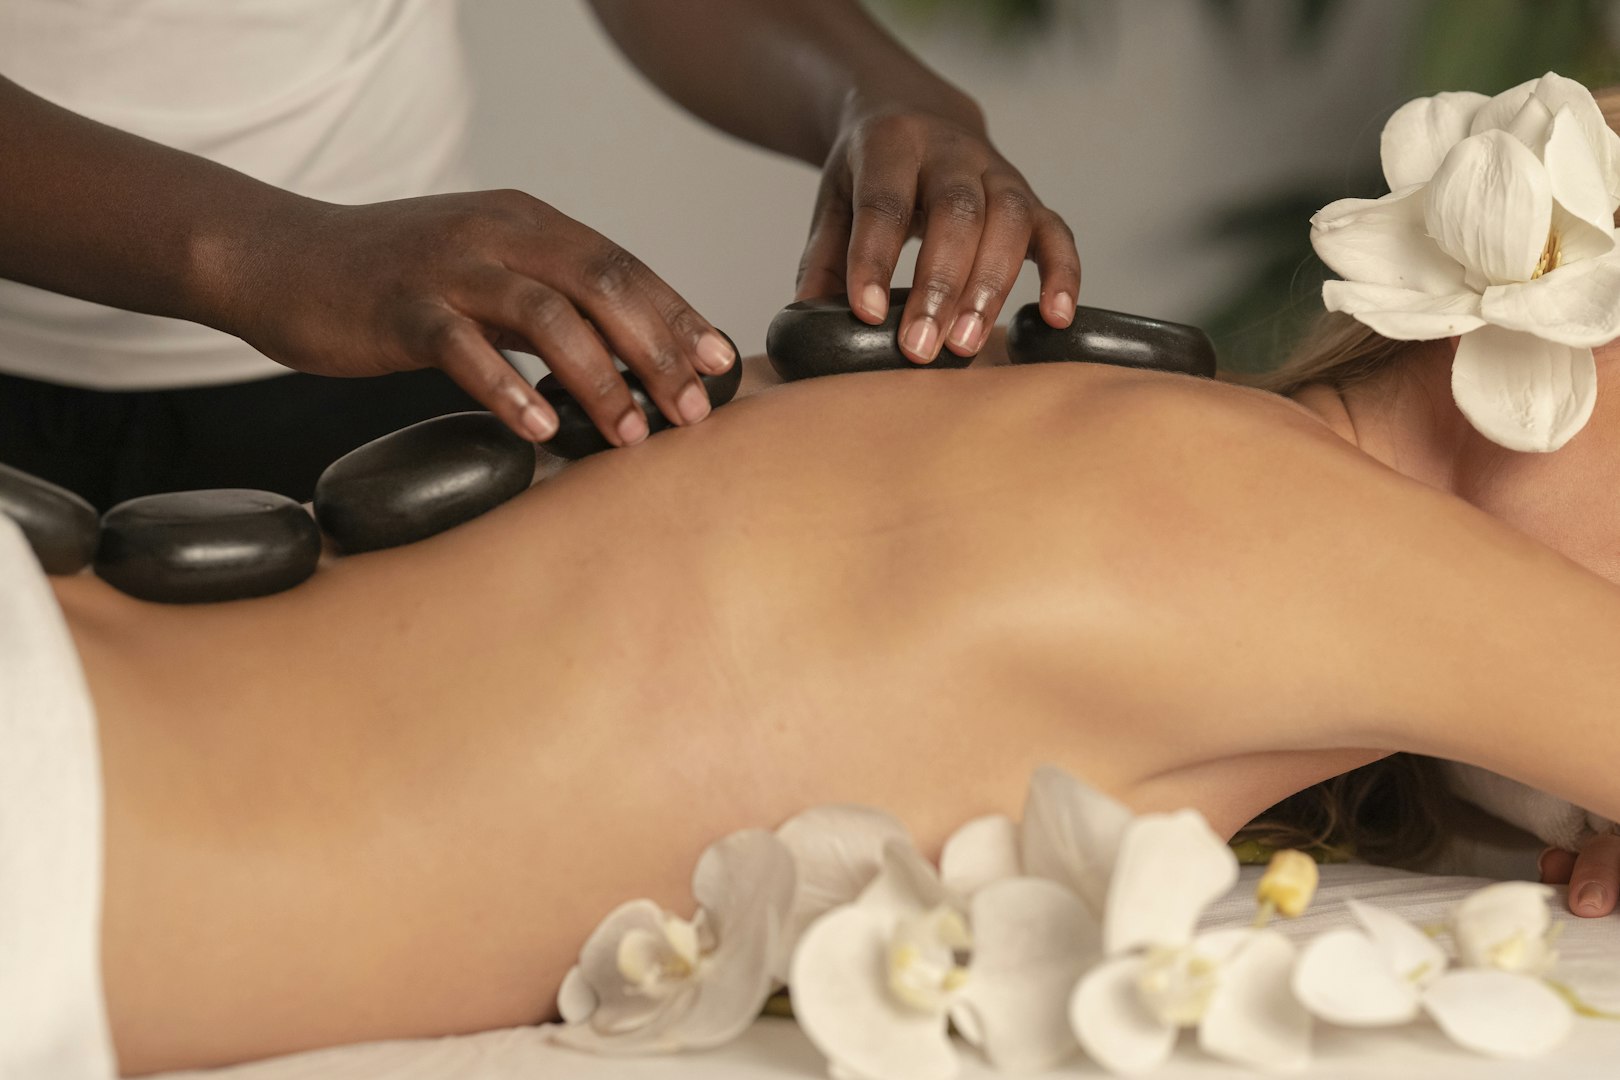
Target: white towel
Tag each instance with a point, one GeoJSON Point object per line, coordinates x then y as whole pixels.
{"type": "Point", "coordinates": [1555, 821]}
{"type": "Point", "coordinates": [53, 1022]}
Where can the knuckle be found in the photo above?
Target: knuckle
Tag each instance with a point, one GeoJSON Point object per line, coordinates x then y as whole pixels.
{"type": "Point", "coordinates": [1055, 223]}
{"type": "Point", "coordinates": [937, 293]}
{"type": "Point", "coordinates": [990, 282]}
{"type": "Point", "coordinates": [686, 324]}
{"type": "Point", "coordinates": [666, 360]}
{"type": "Point", "coordinates": [605, 383]}
{"type": "Point", "coordinates": [887, 206]}
{"type": "Point", "coordinates": [542, 310]}
{"type": "Point", "coordinates": [612, 272]}
{"type": "Point", "coordinates": [1016, 206]}
{"type": "Point", "coordinates": [961, 203]}
{"type": "Point", "coordinates": [448, 338]}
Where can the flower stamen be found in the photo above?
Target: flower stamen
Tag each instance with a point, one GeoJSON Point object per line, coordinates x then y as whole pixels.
{"type": "Point", "coordinates": [1551, 256]}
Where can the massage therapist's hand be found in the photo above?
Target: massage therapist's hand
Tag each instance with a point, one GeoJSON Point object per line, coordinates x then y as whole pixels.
{"type": "Point", "coordinates": [442, 281]}
{"type": "Point", "coordinates": [898, 171]}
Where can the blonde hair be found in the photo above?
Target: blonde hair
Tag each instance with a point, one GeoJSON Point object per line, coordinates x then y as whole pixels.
{"type": "Point", "coordinates": [1391, 811]}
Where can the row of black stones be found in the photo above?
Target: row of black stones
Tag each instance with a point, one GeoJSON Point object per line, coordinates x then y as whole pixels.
{"type": "Point", "coordinates": [813, 338]}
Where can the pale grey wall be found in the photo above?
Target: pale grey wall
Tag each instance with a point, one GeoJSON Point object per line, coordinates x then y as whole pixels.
{"type": "Point", "coordinates": [1135, 119]}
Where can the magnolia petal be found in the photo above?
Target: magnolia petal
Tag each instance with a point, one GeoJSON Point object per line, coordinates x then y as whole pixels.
{"type": "Point", "coordinates": [575, 998]}
{"type": "Point", "coordinates": [907, 885]}
{"type": "Point", "coordinates": [619, 1007]}
{"type": "Point", "coordinates": [1402, 314]}
{"type": "Point", "coordinates": [1612, 170]}
{"type": "Point", "coordinates": [1578, 304]}
{"type": "Point", "coordinates": [1253, 1017]}
{"type": "Point", "coordinates": [1489, 206]}
{"type": "Point", "coordinates": [1583, 219]}
{"type": "Point", "coordinates": [1522, 392]}
{"type": "Point", "coordinates": [1559, 93]}
{"type": "Point", "coordinates": [1499, 111]}
{"type": "Point", "coordinates": [1408, 952]}
{"type": "Point", "coordinates": [1170, 868]}
{"type": "Point", "coordinates": [1032, 940]}
{"type": "Point", "coordinates": [1531, 125]}
{"type": "Point", "coordinates": [1384, 242]}
{"type": "Point", "coordinates": [1417, 137]}
{"type": "Point", "coordinates": [1497, 1013]}
{"type": "Point", "coordinates": [842, 1002]}
{"type": "Point", "coordinates": [1505, 926]}
{"type": "Point", "coordinates": [745, 884]}
{"type": "Point", "coordinates": [984, 850]}
{"type": "Point", "coordinates": [1344, 978]}
{"type": "Point", "coordinates": [1070, 834]}
{"type": "Point", "coordinates": [1111, 1023]}
{"type": "Point", "coordinates": [837, 851]}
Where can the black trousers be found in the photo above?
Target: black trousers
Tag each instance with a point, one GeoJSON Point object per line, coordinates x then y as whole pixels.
{"type": "Point", "coordinates": [273, 434]}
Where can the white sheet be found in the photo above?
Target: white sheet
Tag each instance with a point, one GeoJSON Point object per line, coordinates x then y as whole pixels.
{"type": "Point", "coordinates": [775, 1050]}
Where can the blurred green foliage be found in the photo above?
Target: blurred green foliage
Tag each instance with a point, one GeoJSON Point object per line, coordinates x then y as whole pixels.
{"type": "Point", "coordinates": [1484, 45]}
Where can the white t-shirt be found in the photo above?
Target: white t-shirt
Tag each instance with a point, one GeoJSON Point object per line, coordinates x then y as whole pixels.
{"type": "Point", "coordinates": [348, 101]}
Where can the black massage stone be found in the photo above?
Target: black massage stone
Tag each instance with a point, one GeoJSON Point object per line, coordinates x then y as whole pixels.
{"type": "Point", "coordinates": [1111, 337]}
{"type": "Point", "coordinates": [824, 337]}
{"type": "Point", "coordinates": [203, 547]}
{"type": "Point", "coordinates": [577, 436]}
{"type": "Point", "coordinates": [421, 480]}
{"type": "Point", "coordinates": [61, 527]}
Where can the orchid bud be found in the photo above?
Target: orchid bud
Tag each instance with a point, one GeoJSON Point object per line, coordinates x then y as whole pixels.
{"type": "Point", "coordinates": [1289, 883]}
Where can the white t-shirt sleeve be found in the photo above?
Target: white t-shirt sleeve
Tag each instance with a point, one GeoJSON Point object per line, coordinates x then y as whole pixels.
{"type": "Point", "coordinates": [52, 1014]}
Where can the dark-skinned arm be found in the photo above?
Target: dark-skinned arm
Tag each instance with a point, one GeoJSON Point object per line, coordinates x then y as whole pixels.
{"type": "Point", "coordinates": [441, 281]}
{"type": "Point", "coordinates": [903, 153]}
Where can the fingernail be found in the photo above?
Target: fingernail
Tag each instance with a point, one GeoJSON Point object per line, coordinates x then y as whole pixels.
{"type": "Point", "coordinates": [1590, 898]}
{"type": "Point", "coordinates": [537, 424]}
{"type": "Point", "coordinates": [922, 340]}
{"type": "Point", "coordinates": [875, 301]}
{"type": "Point", "coordinates": [715, 354]}
{"type": "Point", "coordinates": [1063, 307]}
{"type": "Point", "coordinates": [632, 427]}
{"type": "Point", "coordinates": [692, 403]}
{"type": "Point", "coordinates": [965, 334]}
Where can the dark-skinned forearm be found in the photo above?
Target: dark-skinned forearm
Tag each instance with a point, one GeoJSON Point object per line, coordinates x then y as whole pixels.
{"type": "Point", "coordinates": [98, 213]}
{"type": "Point", "coordinates": [782, 74]}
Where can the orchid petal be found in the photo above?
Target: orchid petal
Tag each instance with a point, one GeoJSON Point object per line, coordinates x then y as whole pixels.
{"type": "Point", "coordinates": [1070, 834]}
{"type": "Point", "coordinates": [1343, 977]}
{"type": "Point", "coordinates": [1402, 314]}
{"type": "Point", "coordinates": [1407, 951]}
{"type": "Point", "coordinates": [907, 885]}
{"type": "Point", "coordinates": [745, 886]}
{"type": "Point", "coordinates": [575, 998]}
{"type": "Point", "coordinates": [1505, 926]}
{"type": "Point", "coordinates": [1577, 304]}
{"type": "Point", "coordinates": [1489, 206]}
{"type": "Point", "coordinates": [1170, 867]}
{"type": "Point", "coordinates": [844, 1005]}
{"type": "Point", "coordinates": [1417, 137]}
{"type": "Point", "coordinates": [1522, 392]}
{"type": "Point", "coordinates": [619, 1006]}
{"type": "Point", "coordinates": [1497, 1013]}
{"type": "Point", "coordinates": [983, 851]}
{"type": "Point", "coordinates": [1384, 242]}
{"type": "Point", "coordinates": [1583, 219]}
{"type": "Point", "coordinates": [1497, 113]}
{"type": "Point", "coordinates": [1113, 1026]}
{"type": "Point", "coordinates": [1253, 1018]}
{"type": "Point", "coordinates": [837, 851]}
{"type": "Point", "coordinates": [1032, 940]}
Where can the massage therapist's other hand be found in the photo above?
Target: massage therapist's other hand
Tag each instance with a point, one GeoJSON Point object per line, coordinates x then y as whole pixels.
{"type": "Point", "coordinates": [900, 170]}
{"type": "Point", "coordinates": [1592, 874]}
{"type": "Point", "coordinates": [445, 280]}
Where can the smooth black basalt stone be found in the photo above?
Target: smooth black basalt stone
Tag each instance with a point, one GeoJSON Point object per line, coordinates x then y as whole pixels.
{"type": "Point", "coordinates": [200, 547]}
{"type": "Point", "coordinates": [61, 527]}
{"type": "Point", "coordinates": [577, 436]}
{"type": "Point", "coordinates": [824, 337]}
{"type": "Point", "coordinates": [1111, 337]}
{"type": "Point", "coordinates": [421, 480]}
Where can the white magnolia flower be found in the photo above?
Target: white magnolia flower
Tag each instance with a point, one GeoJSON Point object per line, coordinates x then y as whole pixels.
{"type": "Point", "coordinates": [1499, 227]}
{"type": "Point", "coordinates": [876, 983]}
{"type": "Point", "coordinates": [649, 982]}
{"type": "Point", "coordinates": [1388, 971]}
{"type": "Point", "coordinates": [1232, 985]}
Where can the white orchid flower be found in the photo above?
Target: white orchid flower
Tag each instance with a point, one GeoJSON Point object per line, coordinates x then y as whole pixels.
{"type": "Point", "coordinates": [1498, 228]}
{"type": "Point", "coordinates": [649, 982]}
{"type": "Point", "coordinates": [1388, 971]}
{"type": "Point", "coordinates": [1232, 985]}
{"type": "Point", "coordinates": [876, 983]}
